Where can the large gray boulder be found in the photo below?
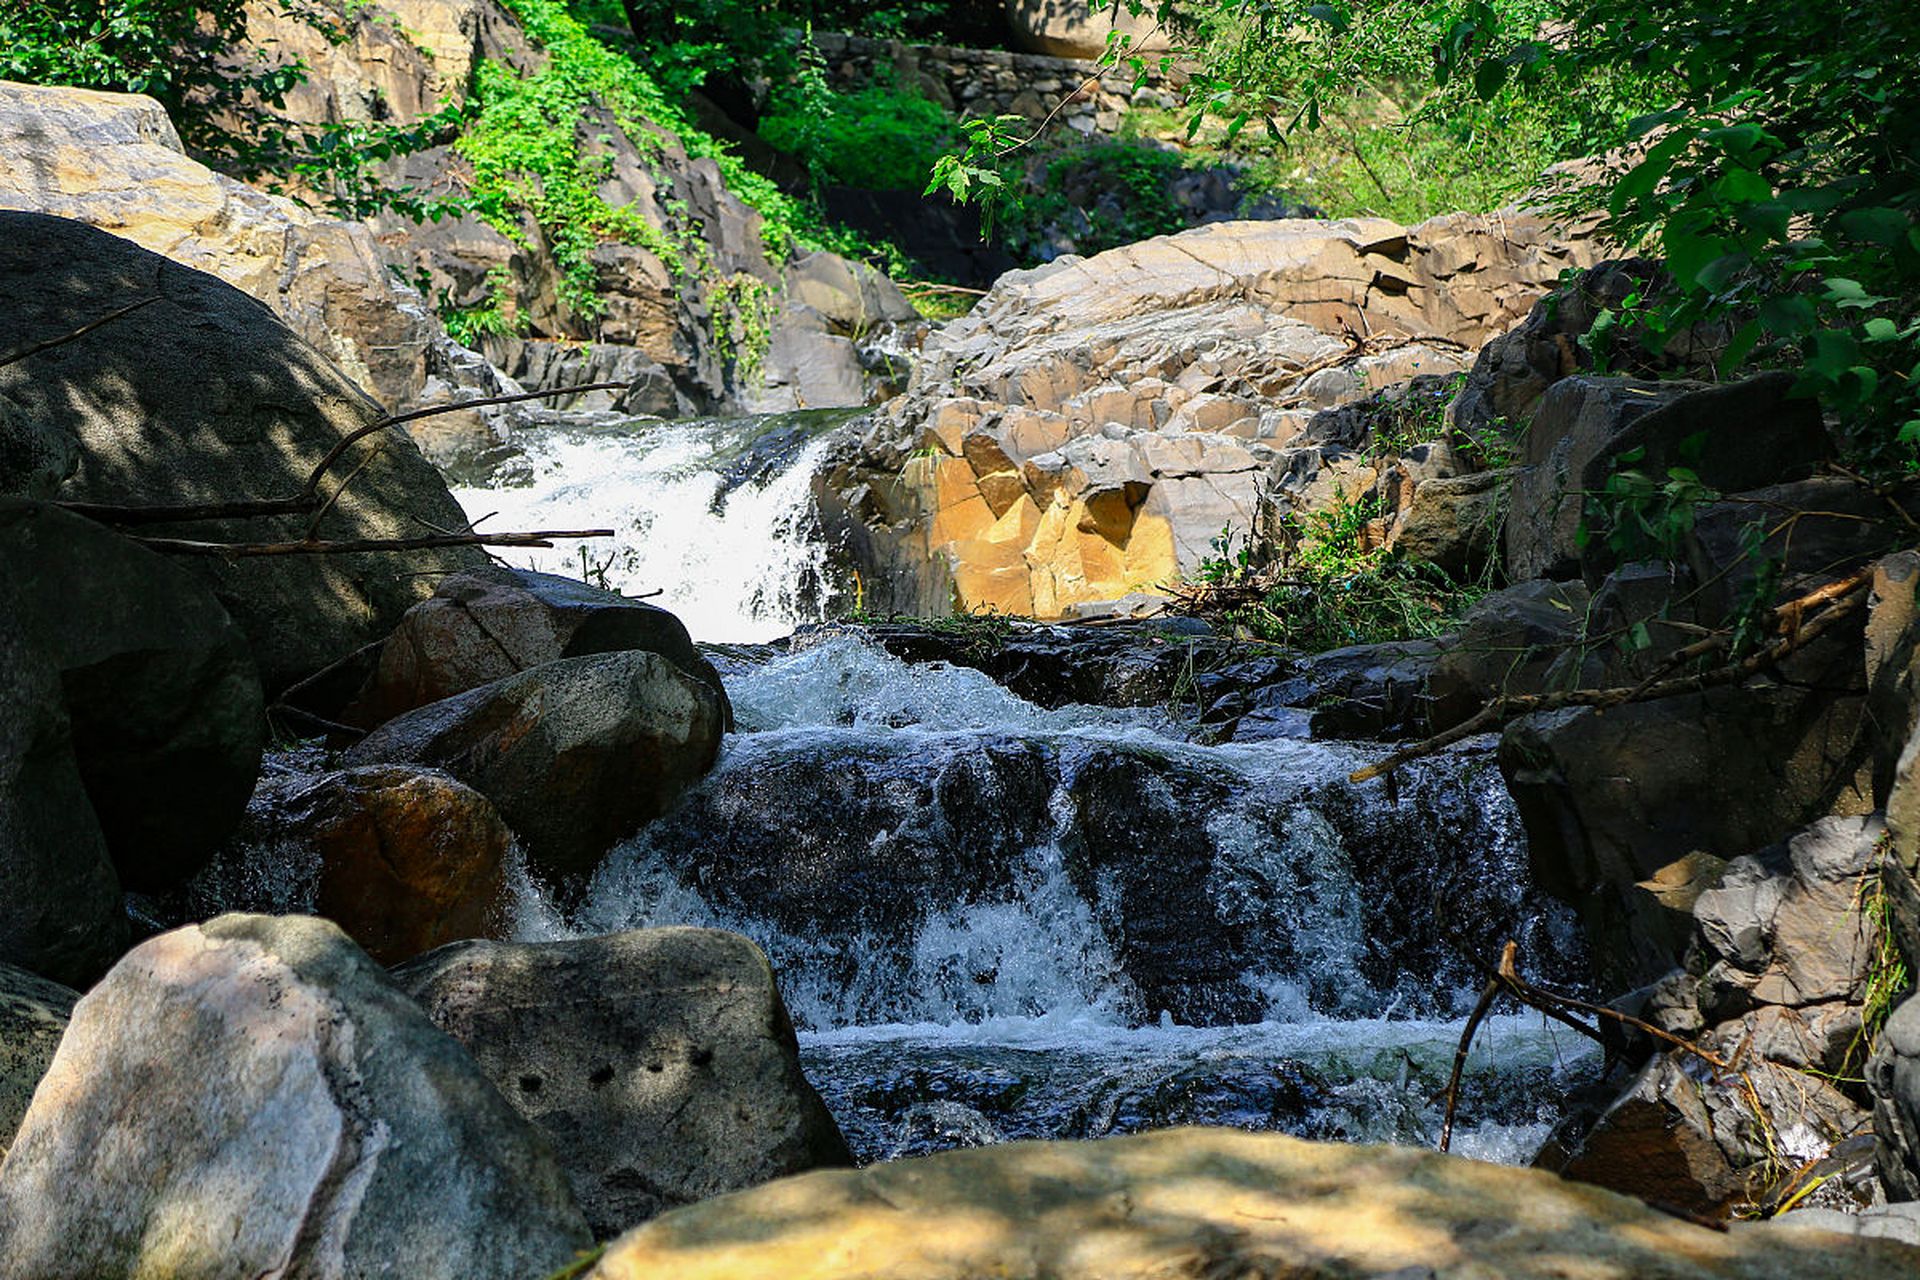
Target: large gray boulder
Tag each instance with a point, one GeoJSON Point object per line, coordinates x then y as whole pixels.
{"type": "Point", "coordinates": [574, 754]}
{"type": "Point", "coordinates": [158, 685]}
{"type": "Point", "coordinates": [204, 396]}
{"type": "Point", "coordinates": [660, 1061]}
{"type": "Point", "coordinates": [33, 1015]}
{"type": "Point", "coordinates": [253, 1096]}
{"type": "Point", "coordinates": [482, 627]}
{"type": "Point", "coordinates": [1734, 437]}
{"type": "Point", "coordinates": [60, 912]}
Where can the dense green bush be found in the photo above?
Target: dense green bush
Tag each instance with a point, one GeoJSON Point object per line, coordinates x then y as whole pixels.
{"type": "Point", "coordinates": [878, 138]}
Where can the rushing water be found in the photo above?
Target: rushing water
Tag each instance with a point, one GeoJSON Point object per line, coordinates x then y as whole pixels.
{"type": "Point", "coordinates": [712, 513]}
{"type": "Point", "coordinates": [996, 921]}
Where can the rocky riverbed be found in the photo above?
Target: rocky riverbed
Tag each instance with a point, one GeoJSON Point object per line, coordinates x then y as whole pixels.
{"type": "Point", "coordinates": [793, 882]}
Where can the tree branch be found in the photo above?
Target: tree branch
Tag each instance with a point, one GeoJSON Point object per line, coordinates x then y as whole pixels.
{"type": "Point", "coordinates": [311, 547]}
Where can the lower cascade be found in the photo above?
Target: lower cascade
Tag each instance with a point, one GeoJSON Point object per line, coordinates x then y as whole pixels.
{"type": "Point", "coordinates": [993, 920]}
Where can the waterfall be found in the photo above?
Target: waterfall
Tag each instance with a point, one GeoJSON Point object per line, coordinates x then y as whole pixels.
{"type": "Point", "coordinates": [711, 513]}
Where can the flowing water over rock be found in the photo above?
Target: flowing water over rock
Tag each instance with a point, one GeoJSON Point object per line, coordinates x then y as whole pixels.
{"type": "Point", "coordinates": [994, 920]}
{"type": "Point", "coordinates": [711, 512]}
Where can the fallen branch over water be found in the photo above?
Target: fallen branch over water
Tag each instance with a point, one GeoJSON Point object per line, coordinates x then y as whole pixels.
{"type": "Point", "coordinates": [308, 499]}
{"type": "Point", "coordinates": [1561, 1008]}
{"type": "Point", "coordinates": [315, 547]}
{"type": "Point", "coordinates": [1840, 599]}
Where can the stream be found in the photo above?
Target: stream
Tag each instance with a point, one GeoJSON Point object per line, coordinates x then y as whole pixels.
{"type": "Point", "coordinates": [995, 921]}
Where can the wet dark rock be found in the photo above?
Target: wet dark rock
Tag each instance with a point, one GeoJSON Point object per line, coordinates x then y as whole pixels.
{"type": "Point", "coordinates": [1125, 664]}
{"type": "Point", "coordinates": [158, 687]}
{"type": "Point", "coordinates": [574, 754]}
{"type": "Point", "coordinates": [1505, 646]}
{"type": "Point", "coordinates": [660, 1062]}
{"type": "Point", "coordinates": [834, 839]}
{"type": "Point", "coordinates": [254, 1094]}
{"type": "Point", "coordinates": [1363, 691]}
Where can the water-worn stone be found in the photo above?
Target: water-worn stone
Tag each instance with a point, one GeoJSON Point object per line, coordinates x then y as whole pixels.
{"type": "Point", "coordinates": [254, 1096]}
{"type": "Point", "coordinates": [1190, 1203]}
{"type": "Point", "coordinates": [660, 1061]}
{"type": "Point", "coordinates": [33, 1016]}
{"type": "Point", "coordinates": [203, 396]}
{"type": "Point", "coordinates": [409, 859]}
{"type": "Point", "coordinates": [482, 627]}
{"type": "Point", "coordinates": [158, 685]}
{"type": "Point", "coordinates": [574, 754]}
{"type": "Point", "coordinates": [61, 914]}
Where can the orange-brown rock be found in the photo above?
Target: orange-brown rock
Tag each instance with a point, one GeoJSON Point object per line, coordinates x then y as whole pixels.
{"type": "Point", "coordinates": [410, 859]}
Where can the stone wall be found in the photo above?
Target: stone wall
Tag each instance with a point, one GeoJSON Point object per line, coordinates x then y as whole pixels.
{"type": "Point", "coordinates": [993, 82]}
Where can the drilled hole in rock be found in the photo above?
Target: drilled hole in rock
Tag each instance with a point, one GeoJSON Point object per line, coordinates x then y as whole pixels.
{"type": "Point", "coordinates": [600, 1076]}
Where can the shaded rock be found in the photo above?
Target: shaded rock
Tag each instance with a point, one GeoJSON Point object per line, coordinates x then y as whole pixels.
{"type": "Point", "coordinates": [33, 1016]}
{"type": "Point", "coordinates": [1735, 437]}
{"type": "Point", "coordinates": [1506, 645]}
{"type": "Point", "coordinates": [61, 914]}
{"type": "Point", "coordinates": [323, 1127]}
{"type": "Point", "coordinates": [203, 396]}
{"type": "Point", "coordinates": [1189, 1203]}
{"type": "Point", "coordinates": [1894, 1077]}
{"type": "Point", "coordinates": [34, 459]}
{"type": "Point", "coordinates": [1886, 1222]}
{"type": "Point", "coordinates": [848, 295]}
{"type": "Point", "coordinates": [158, 685]}
{"type": "Point", "coordinates": [574, 754]}
{"type": "Point", "coordinates": [661, 1062]}
{"type": "Point", "coordinates": [1656, 1142]}
{"type": "Point", "coordinates": [482, 627]}
{"type": "Point", "coordinates": [1617, 803]}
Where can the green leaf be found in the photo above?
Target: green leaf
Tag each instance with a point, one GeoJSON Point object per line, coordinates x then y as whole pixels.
{"type": "Point", "coordinates": [1877, 226]}
{"type": "Point", "coordinates": [1742, 186]}
{"type": "Point", "coordinates": [1881, 329]}
{"type": "Point", "coordinates": [1490, 78]}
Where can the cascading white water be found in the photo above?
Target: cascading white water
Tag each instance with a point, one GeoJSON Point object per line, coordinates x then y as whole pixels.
{"type": "Point", "coordinates": [985, 913]}
{"type": "Point", "coordinates": [919, 1029]}
{"type": "Point", "coordinates": [736, 561]}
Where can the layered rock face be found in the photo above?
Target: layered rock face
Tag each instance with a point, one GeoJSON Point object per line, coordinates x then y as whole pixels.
{"type": "Point", "coordinates": [1093, 425]}
{"type": "Point", "coordinates": [1190, 1203]}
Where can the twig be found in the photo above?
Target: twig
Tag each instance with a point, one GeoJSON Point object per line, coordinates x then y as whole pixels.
{"type": "Point", "coordinates": [81, 332]}
{"type": "Point", "coordinates": [313, 525]}
{"type": "Point", "coordinates": [310, 547]}
{"type": "Point", "coordinates": [1480, 1010]}
{"type": "Point", "coordinates": [1501, 710]}
{"type": "Point", "coordinates": [393, 420]}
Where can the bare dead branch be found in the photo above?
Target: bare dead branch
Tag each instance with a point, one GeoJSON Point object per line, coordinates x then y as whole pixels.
{"type": "Point", "coordinates": [311, 547]}
{"type": "Point", "coordinates": [75, 334]}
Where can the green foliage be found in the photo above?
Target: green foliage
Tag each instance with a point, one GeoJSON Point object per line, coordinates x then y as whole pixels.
{"type": "Point", "coordinates": [878, 138]}
{"type": "Point", "coordinates": [177, 51]}
{"type": "Point", "coordinates": [1643, 514]}
{"type": "Point", "coordinates": [492, 317]}
{"type": "Point", "coordinates": [1322, 583]}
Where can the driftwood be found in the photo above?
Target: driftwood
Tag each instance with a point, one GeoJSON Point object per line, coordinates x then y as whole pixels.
{"type": "Point", "coordinates": [1561, 1008]}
